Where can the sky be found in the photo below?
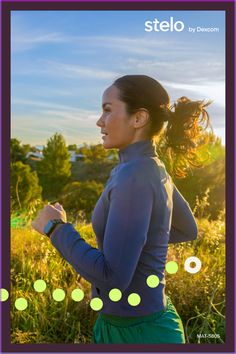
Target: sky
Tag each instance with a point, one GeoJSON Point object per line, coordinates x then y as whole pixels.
{"type": "Point", "coordinates": [62, 61]}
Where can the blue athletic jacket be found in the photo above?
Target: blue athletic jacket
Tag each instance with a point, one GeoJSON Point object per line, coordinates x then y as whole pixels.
{"type": "Point", "coordinates": [139, 212]}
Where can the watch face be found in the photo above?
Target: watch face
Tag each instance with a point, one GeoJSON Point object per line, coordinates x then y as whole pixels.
{"type": "Point", "coordinates": [48, 227]}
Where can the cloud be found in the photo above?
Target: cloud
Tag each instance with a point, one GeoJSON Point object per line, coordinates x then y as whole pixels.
{"type": "Point", "coordinates": [176, 69]}
{"type": "Point", "coordinates": [64, 70]}
{"type": "Point", "coordinates": [23, 40]}
{"type": "Point", "coordinates": [135, 45]}
{"type": "Point", "coordinates": [37, 129]}
{"type": "Point", "coordinates": [207, 90]}
{"type": "Point", "coordinates": [48, 105]}
{"type": "Point", "coordinates": [75, 71]}
{"type": "Point", "coordinates": [52, 115]}
{"type": "Point", "coordinates": [29, 40]}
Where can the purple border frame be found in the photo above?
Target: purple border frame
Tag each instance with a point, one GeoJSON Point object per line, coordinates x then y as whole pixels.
{"type": "Point", "coordinates": [6, 7]}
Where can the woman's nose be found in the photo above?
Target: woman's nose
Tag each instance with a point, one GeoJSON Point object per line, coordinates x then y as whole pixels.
{"type": "Point", "coordinates": [99, 122]}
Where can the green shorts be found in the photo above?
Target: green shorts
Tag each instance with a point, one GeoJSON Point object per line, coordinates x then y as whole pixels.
{"type": "Point", "coordinates": [161, 327]}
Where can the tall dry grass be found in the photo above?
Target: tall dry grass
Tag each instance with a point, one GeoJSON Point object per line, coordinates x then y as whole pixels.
{"type": "Point", "coordinates": [199, 298]}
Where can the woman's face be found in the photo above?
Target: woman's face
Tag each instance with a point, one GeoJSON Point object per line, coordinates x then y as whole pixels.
{"type": "Point", "coordinates": [115, 123]}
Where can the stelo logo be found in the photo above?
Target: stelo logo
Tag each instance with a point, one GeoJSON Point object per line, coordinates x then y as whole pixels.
{"type": "Point", "coordinates": [164, 26]}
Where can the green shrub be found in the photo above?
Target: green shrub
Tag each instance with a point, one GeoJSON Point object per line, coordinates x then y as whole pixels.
{"type": "Point", "coordinates": [79, 198]}
{"type": "Point", "coordinates": [25, 188]}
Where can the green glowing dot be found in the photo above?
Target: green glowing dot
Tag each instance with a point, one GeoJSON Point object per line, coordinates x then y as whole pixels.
{"type": "Point", "coordinates": [115, 294]}
{"type": "Point", "coordinates": [171, 267]}
{"type": "Point", "coordinates": [40, 286]}
{"type": "Point", "coordinates": [153, 281]}
{"type": "Point", "coordinates": [77, 294]}
{"type": "Point", "coordinates": [4, 295]}
{"type": "Point", "coordinates": [58, 295]}
{"type": "Point", "coordinates": [21, 304]}
{"type": "Point", "coordinates": [134, 299]}
{"type": "Point", "coordinates": [96, 304]}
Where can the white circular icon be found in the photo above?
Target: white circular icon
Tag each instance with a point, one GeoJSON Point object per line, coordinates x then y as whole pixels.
{"type": "Point", "coordinates": [194, 269]}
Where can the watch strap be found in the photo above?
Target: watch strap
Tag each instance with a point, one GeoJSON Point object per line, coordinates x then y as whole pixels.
{"type": "Point", "coordinates": [52, 225]}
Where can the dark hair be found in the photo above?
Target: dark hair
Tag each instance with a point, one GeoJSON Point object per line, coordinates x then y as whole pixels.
{"type": "Point", "coordinates": [186, 120]}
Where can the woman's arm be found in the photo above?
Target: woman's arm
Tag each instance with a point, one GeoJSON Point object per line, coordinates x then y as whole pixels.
{"type": "Point", "coordinates": [183, 227]}
{"type": "Point", "coordinates": [125, 235]}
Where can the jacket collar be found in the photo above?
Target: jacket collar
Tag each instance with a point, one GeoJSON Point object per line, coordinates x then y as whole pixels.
{"type": "Point", "coordinates": [143, 148]}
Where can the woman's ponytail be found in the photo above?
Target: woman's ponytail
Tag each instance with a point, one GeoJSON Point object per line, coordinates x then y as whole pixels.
{"type": "Point", "coordinates": [185, 135]}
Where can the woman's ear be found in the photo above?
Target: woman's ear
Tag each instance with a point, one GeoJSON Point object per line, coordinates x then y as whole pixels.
{"type": "Point", "coordinates": [141, 118]}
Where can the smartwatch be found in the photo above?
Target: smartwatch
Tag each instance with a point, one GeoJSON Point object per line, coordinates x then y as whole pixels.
{"type": "Point", "coordinates": [50, 226]}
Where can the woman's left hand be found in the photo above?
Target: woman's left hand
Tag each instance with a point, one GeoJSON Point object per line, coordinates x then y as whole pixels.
{"type": "Point", "coordinates": [49, 212]}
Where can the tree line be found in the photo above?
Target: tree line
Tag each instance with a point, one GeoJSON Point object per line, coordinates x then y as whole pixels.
{"type": "Point", "coordinates": [78, 185]}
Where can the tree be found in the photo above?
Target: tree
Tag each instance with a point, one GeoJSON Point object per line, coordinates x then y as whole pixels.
{"type": "Point", "coordinates": [180, 162]}
{"type": "Point", "coordinates": [18, 153]}
{"type": "Point", "coordinates": [81, 197]}
{"type": "Point", "coordinates": [93, 153]}
{"type": "Point", "coordinates": [55, 168]}
{"type": "Point", "coordinates": [96, 165]}
{"type": "Point", "coordinates": [27, 148]}
{"type": "Point", "coordinates": [25, 186]}
{"type": "Point", "coordinates": [72, 147]}
{"type": "Point", "coordinates": [210, 177]}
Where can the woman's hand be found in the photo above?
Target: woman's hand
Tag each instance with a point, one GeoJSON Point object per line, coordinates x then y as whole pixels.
{"type": "Point", "coordinates": [49, 212]}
